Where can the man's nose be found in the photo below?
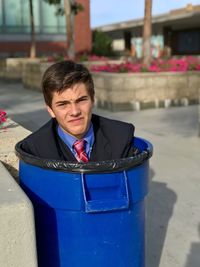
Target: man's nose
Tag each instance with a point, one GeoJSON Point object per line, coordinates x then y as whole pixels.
{"type": "Point", "coordinates": [74, 109]}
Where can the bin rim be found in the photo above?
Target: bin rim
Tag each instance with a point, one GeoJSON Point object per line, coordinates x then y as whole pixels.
{"type": "Point", "coordinates": [105, 166]}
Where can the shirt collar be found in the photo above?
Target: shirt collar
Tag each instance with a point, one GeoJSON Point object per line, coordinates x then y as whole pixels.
{"type": "Point", "coordinates": [69, 139]}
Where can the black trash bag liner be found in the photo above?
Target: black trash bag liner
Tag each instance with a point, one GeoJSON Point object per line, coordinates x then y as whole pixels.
{"type": "Point", "coordinates": [106, 166]}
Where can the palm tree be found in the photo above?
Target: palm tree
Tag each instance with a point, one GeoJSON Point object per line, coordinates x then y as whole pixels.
{"type": "Point", "coordinates": [33, 41]}
{"type": "Point", "coordinates": [147, 33]}
{"type": "Point", "coordinates": [69, 28]}
{"type": "Point", "coordinates": [71, 8]}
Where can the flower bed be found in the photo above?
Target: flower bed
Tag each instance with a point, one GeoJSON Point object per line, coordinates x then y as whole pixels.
{"type": "Point", "coordinates": [134, 86]}
{"type": "Point", "coordinates": [33, 71]}
{"type": "Point", "coordinates": [3, 117]}
{"type": "Point", "coordinates": [133, 90]}
{"type": "Point", "coordinates": [171, 65]}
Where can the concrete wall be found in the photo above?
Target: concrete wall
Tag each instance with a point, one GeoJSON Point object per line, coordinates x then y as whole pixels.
{"type": "Point", "coordinates": [29, 71]}
{"type": "Point", "coordinates": [32, 74]}
{"type": "Point", "coordinates": [199, 113]}
{"type": "Point", "coordinates": [12, 68]}
{"type": "Point", "coordinates": [9, 136]}
{"type": "Point", "coordinates": [125, 91]}
{"type": "Point", "coordinates": [17, 230]}
{"type": "Point", "coordinates": [118, 91]}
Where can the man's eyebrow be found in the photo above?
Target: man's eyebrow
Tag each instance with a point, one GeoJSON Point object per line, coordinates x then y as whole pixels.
{"type": "Point", "coordinates": [68, 101]}
{"type": "Point", "coordinates": [62, 102]}
{"type": "Point", "coordinates": [82, 97]}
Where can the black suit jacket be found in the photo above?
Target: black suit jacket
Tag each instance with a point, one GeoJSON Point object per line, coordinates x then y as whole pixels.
{"type": "Point", "coordinates": [113, 140]}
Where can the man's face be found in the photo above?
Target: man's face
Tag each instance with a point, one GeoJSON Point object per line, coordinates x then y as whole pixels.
{"type": "Point", "coordinates": [72, 109]}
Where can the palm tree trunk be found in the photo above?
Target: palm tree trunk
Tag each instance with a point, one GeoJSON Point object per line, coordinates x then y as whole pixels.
{"type": "Point", "coordinates": [33, 41]}
{"type": "Point", "coordinates": [69, 28]}
{"type": "Point", "coordinates": [147, 33]}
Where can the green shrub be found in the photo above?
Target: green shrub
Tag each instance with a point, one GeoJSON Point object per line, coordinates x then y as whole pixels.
{"type": "Point", "coordinates": [102, 44]}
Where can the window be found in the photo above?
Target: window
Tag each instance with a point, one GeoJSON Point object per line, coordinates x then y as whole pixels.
{"type": "Point", "coordinates": [26, 15]}
{"type": "Point", "coordinates": [49, 18]}
{"type": "Point", "coordinates": [1, 14]}
{"type": "Point", "coordinates": [13, 19]}
{"type": "Point", "coordinates": [17, 17]}
{"type": "Point", "coordinates": [189, 41]}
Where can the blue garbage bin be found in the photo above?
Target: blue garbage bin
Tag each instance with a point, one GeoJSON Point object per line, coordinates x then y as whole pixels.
{"type": "Point", "coordinates": [88, 214]}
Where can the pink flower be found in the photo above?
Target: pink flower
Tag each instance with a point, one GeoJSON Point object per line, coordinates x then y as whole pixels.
{"type": "Point", "coordinates": [2, 116]}
{"type": "Point", "coordinates": [198, 67]}
{"type": "Point", "coordinates": [174, 64]}
{"type": "Point", "coordinates": [154, 68]}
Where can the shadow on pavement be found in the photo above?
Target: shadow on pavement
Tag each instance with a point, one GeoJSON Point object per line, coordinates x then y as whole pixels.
{"type": "Point", "coordinates": [31, 120]}
{"type": "Point", "coordinates": [182, 121]}
{"type": "Point", "coordinates": [13, 171]}
{"type": "Point", "coordinates": [193, 258]}
{"type": "Point", "coordinates": [160, 203]}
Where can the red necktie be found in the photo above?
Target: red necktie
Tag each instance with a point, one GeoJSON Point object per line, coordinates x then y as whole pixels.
{"type": "Point", "coordinates": [80, 150]}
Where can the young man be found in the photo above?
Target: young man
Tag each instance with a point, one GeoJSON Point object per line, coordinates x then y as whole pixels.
{"type": "Point", "coordinates": [74, 133]}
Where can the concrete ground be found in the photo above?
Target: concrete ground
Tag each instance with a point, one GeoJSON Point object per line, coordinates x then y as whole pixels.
{"type": "Point", "coordinates": [173, 204]}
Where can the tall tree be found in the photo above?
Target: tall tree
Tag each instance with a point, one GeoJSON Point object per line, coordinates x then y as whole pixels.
{"type": "Point", "coordinates": [33, 39]}
{"type": "Point", "coordinates": [71, 8]}
{"type": "Point", "coordinates": [69, 28]}
{"type": "Point", "coordinates": [147, 33]}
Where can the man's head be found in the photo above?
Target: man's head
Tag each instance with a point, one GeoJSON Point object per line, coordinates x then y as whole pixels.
{"type": "Point", "coordinates": [63, 75]}
{"type": "Point", "coordinates": [69, 95]}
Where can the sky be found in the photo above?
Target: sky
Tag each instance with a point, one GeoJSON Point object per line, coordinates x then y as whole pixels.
{"type": "Point", "coordinates": [105, 12]}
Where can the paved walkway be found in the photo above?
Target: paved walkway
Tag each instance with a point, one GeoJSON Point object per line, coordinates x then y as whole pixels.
{"type": "Point", "coordinates": [173, 204]}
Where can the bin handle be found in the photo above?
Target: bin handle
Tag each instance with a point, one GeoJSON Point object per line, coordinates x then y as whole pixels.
{"type": "Point", "coordinates": [110, 204]}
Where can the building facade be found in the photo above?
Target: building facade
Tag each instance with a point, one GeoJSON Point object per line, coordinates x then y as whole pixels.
{"type": "Point", "coordinates": [50, 28]}
{"type": "Point", "coordinates": [173, 33]}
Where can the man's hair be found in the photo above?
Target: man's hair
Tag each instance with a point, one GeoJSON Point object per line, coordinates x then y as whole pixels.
{"type": "Point", "coordinates": [63, 75]}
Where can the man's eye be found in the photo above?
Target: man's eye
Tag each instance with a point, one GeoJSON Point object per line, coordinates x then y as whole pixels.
{"type": "Point", "coordinates": [62, 104]}
{"type": "Point", "coordinates": [82, 100]}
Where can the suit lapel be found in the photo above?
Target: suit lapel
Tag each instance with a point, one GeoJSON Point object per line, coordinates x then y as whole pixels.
{"type": "Point", "coordinates": [60, 147]}
{"type": "Point", "coordinates": [101, 149]}
{"type": "Point", "coordinates": [65, 151]}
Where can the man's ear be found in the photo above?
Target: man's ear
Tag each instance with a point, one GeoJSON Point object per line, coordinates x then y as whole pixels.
{"type": "Point", "coordinates": [50, 111]}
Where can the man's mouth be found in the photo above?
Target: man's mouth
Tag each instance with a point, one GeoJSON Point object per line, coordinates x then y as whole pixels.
{"type": "Point", "coordinates": [76, 120]}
